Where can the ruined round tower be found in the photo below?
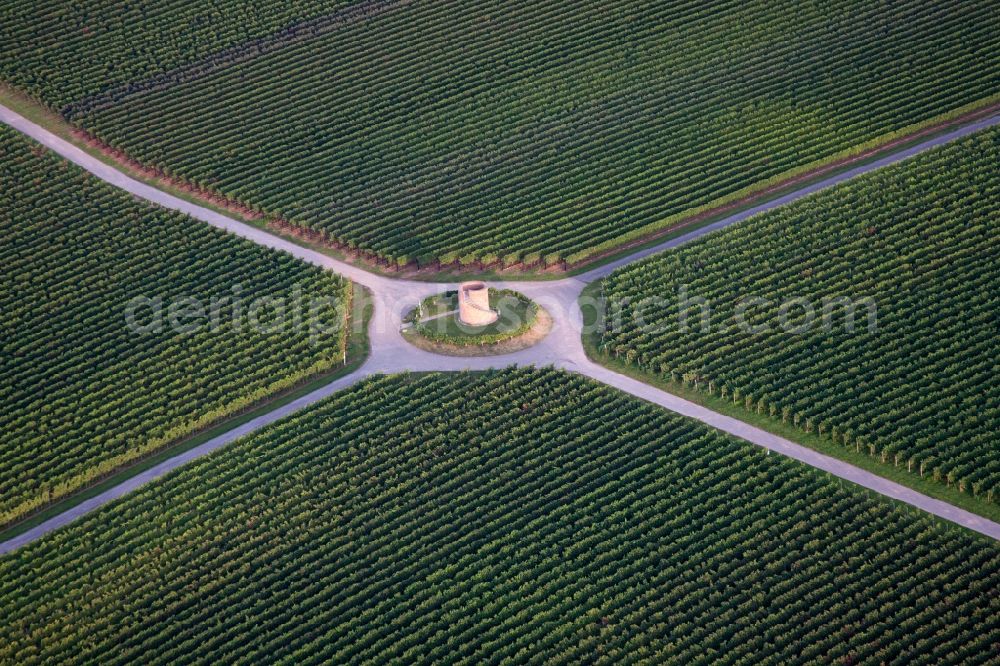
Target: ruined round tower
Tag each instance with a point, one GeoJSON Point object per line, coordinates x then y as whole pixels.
{"type": "Point", "coordinates": [474, 304]}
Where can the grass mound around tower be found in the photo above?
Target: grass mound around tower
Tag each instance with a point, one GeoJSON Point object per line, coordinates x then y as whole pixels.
{"type": "Point", "coordinates": [434, 325]}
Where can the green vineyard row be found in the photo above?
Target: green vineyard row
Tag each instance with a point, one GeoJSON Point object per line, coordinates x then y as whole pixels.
{"type": "Point", "coordinates": [527, 133]}
{"type": "Point", "coordinates": [61, 52]}
{"type": "Point", "coordinates": [914, 250]}
{"type": "Point", "coordinates": [549, 519]}
{"type": "Point", "coordinates": [85, 392]}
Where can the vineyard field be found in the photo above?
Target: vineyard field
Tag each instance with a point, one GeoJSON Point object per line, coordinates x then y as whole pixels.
{"type": "Point", "coordinates": [94, 373]}
{"type": "Point", "coordinates": [913, 250]}
{"type": "Point", "coordinates": [551, 519]}
{"type": "Point", "coordinates": [519, 133]}
{"type": "Point", "coordinates": [59, 52]}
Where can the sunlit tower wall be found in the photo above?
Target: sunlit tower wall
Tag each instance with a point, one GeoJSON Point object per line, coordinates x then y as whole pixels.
{"type": "Point", "coordinates": [474, 304]}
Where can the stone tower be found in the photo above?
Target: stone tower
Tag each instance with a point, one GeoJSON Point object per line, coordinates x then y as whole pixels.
{"type": "Point", "coordinates": [474, 304]}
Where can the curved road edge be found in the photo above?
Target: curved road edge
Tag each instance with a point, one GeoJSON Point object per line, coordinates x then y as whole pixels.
{"type": "Point", "coordinates": [564, 350]}
{"type": "Point", "coordinates": [113, 176]}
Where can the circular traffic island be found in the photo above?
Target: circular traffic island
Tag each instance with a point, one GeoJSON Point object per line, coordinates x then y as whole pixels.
{"type": "Point", "coordinates": [476, 320]}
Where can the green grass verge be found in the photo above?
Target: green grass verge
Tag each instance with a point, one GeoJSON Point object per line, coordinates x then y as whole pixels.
{"type": "Point", "coordinates": [928, 487]}
{"type": "Point", "coordinates": [517, 314]}
{"type": "Point", "coordinates": [357, 352]}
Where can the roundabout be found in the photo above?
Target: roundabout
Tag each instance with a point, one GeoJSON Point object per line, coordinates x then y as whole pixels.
{"type": "Point", "coordinates": [475, 320]}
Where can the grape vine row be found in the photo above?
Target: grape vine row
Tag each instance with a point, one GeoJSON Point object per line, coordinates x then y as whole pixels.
{"type": "Point", "coordinates": [506, 517]}
{"type": "Point", "coordinates": [918, 244]}
{"type": "Point", "coordinates": [62, 52]}
{"type": "Point", "coordinates": [525, 133]}
{"type": "Point", "coordinates": [83, 393]}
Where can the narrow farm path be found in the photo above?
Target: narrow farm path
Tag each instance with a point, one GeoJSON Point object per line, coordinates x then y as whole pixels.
{"type": "Point", "coordinates": [562, 348]}
{"type": "Point", "coordinates": [438, 316]}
